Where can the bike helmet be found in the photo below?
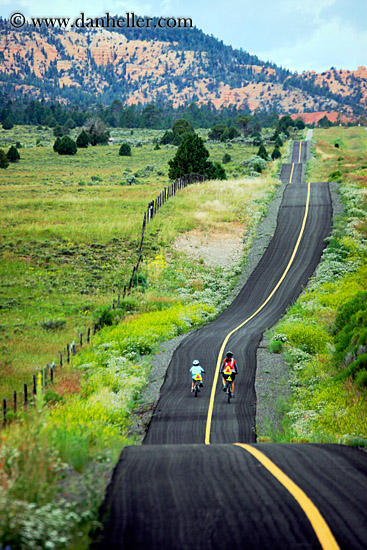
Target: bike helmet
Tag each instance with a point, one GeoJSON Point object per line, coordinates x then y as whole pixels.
{"type": "Point", "coordinates": [229, 354]}
{"type": "Point", "coordinates": [195, 362]}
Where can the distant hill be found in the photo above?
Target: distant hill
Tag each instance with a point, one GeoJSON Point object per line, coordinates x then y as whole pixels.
{"type": "Point", "coordinates": [175, 65]}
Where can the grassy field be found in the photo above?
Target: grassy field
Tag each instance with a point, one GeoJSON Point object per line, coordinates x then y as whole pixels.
{"type": "Point", "coordinates": [324, 334]}
{"type": "Point", "coordinates": [70, 228]}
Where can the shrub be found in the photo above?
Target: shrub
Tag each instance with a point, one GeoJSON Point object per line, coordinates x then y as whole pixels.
{"type": "Point", "coordinates": [361, 379]}
{"type": "Point", "coordinates": [13, 155]}
{"type": "Point", "coordinates": [82, 140]}
{"type": "Point", "coordinates": [7, 124]}
{"type": "Point", "coordinates": [66, 146]}
{"type": "Point", "coordinates": [52, 324]}
{"type": "Point", "coordinates": [262, 152]}
{"type": "Point", "coordinates": [309, 338]}
{"type": "Point", "coordinates": [4, 163]}
{"type": "Point", "coordinates": [125, 150]}
{"type": "Point", "coordinates": [107, 316]}
{"type": "Point", "coordinates": [276, 154]}
{"type": "Point", "coordinates": [335, 176]}
{"type": "Point", "coordinates": [56, 144]}
{"type": "Point", "coordinates": [226, 158]}
{"type": "Point", "coordinates": [276, 346]}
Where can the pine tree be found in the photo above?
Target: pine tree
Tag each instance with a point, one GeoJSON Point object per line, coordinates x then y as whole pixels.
{"type": "Point", "coordinates": [276, 154]}
{"type": "Point", "coordinates": [4, 163]}
{"type": "Point", "coordinates": [13, 155]}
{"type": "Point", "coordinates": [82, 140]}
{"type": "Point", "coordinates": [66, 146]}
{"type": "Point", "coordinates": [125, 150]}
{"type": "Point", "coordinates": [192, 158]}
{"type": "Point", "coordinates": [7, 124]}
{"type": "Point", "coordinates": [262, 152]}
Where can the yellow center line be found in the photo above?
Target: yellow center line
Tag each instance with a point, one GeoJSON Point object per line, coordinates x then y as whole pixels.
{"type": "Point", "coordinates": [290, 179]}
{"type": "Point", "coordinates": [216, 374]}
{"type": "Point", "coordinates": [300, 147]}
{"type": "Point", "coordinates": [321, 528]}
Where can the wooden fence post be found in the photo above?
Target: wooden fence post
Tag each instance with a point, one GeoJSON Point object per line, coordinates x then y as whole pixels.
{"type": "Point", "coordinates": [52, 374]}
{"type": "Point", "coordinates": [60, 358]}
{"type": "Point", "coordinates": [25, 396]}
{"type": "Point", "coordinates": [4, 411]}
{"type": "Point", "coordinates": [68, 353]}
{"type": "Point", "coordinates": [15, 401]}
{"type": "Point", "coordinates": [88, 335]}
{"type": "Point", "coordinates": [34, 385]}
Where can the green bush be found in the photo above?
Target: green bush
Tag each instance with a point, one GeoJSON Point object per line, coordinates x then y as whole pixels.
{"type": "Point", "coordinates": [82, 140]}
{"type": "Point", "coordinates": [309, 338]}
{"type": "Point", "coordinates": [125, 150]}
{"type": "Point", "coordinates": [12, 154]}
{"type": "Point", "coordinates": [276, 346]}
{"type": "Point", "coordinates": [353, 369]}
{"type": "Point", "coordinates": [53, 324]}
{"type": "Point", "coordinates": [335, 176]}
{"type": "Point", "coordinates": [66, 146]}
{"type": "Point", "coordinates": [350, 326]}
{"type": "Point", "coordinates": [4, 163]}
{"type": "Point", "coordinates": [108, 316]}
{"type": "Point", "coordinates": [361, 379]}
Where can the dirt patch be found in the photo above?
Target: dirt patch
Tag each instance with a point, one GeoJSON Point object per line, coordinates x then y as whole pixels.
{"type": "Point", "coordinates": [213, 248]}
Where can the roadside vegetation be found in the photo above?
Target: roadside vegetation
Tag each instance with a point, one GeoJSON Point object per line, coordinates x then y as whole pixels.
{"type": "Point", "coordinates": [70, 232]}
{"type": "Point", "coordinates": [323, 335]}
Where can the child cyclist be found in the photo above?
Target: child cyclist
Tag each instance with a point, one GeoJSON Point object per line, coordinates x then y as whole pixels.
{"type": "Point", "coordinates": [195, 370]}
{"type": "Point", "coordinates": [229, 369]}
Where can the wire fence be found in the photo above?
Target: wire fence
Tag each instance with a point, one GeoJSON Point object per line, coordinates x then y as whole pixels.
{"type": "Point", "coordinates": [22, 400]}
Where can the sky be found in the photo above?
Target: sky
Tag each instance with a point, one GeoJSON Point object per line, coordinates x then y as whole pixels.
{"type": "Point", "coordinates": [311, 35]}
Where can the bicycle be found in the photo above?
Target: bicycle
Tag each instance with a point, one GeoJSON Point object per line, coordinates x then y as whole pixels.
{"type": "Point", "coordinates": [198, 383]}
{"type": "Point", "coordinates": [229, 390]}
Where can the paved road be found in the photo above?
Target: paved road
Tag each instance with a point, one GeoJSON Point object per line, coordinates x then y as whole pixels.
{"type": "Point", "coordinates": [176, 493]}
{"type": "Point", "coordinates": [179, 417]}
{"type": "Point", "coordinates": [205, 497]}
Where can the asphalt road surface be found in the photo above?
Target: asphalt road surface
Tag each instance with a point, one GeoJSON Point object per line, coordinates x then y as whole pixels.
{"type": "Point", "coordinates": [174, 492]}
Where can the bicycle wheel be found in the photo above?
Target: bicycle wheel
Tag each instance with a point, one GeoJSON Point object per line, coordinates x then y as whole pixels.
{"type": "Point", "coordinates": [196, 390]}
{"type": "Point", "coordinates": [228, 393]}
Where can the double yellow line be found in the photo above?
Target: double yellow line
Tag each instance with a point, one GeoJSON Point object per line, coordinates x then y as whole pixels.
{"type": "Point", "coordinates": [299, 161]}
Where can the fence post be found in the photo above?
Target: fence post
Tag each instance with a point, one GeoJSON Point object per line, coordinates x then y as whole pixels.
{"type": "Point", "coordinates": [88, 335]}
{"type": "Point", "coordinates": [4, 411]}
{"type": "Point", "coordinates": [15, 401]}
{"type": "Point", "coordinates": [34, 385]}
{"type": "Point", "coordinates": [52, 374]}
{"type": "Point", "coordinates": [94, 328]}
{"type": "Point", "coordinates": [60, 358]}
{"type": "Point", "coordinates": [25, 396]}
{"type": "Point", "coordinates": [68, 353]}
{"type": "Point", "coordinates": [81, 339]}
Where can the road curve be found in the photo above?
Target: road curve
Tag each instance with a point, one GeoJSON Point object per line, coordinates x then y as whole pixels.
{"type": "Point", "coordinates": [176, 493]}
{"type": "Point", "coordinates": [180, 418]}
